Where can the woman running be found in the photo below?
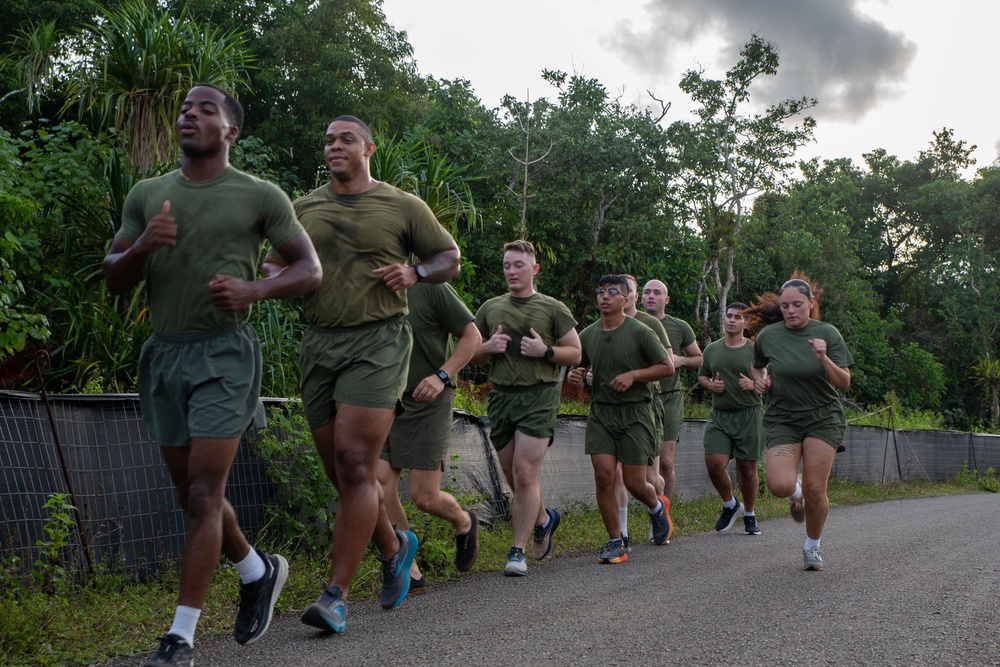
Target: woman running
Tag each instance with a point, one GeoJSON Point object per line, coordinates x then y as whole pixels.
{"type": "Point", "coordinates": [799, 365]}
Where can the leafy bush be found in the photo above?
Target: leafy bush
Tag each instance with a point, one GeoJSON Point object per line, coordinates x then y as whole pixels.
{"type": "Point", "coordinates": [304, 513]}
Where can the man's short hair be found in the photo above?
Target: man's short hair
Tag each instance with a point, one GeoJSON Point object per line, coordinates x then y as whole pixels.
{"type": "Point", "coordinates": [521, 246]}
{"type": "Point", "coordinates": [627, 277]}
{"type": "Point", "coordinates": [366, 133]}
{"type": "Point", "coordinates": [736, 305]}
{"type": "Point", "coordinates": [611, 279]}
{"type": "Point", "coordinates": [233, 105]}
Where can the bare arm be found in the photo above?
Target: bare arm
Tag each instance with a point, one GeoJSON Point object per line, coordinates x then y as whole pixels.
{"type": "Point", "coordinates": [438, 268]}
{"type": "Point", "coordinates": [125, 262]}
{"type": "Point", "coordinates": [300, 274]}
{"type": "Point", "coordinates": [839, 376]}
{"type": "Point", "coordinates": [648, 374]}
{"type": "Point", "coordinates": [466, 345]}
{"type": "Point", "coordinates": [692, 357]}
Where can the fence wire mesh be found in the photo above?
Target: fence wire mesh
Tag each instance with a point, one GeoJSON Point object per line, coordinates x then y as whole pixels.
{"type": "Point", "coordinates": [130, 517]}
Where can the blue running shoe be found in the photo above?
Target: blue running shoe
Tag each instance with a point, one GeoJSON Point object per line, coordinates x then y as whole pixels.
{"type": "Point", "coordinates": [329, 612]}
{"type": "Point", "coordinates": [396, 571]}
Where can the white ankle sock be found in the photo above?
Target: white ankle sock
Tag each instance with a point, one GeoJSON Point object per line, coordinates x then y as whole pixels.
{"type": "Point", "coordinates": [731, 504]}
{"type": "Point", "coordinates": [623, 520]}
{"type": "Point", "coordinates": [811, 543]}
{"type": "Point", "coordinates": [251, 568]}
{"type": "Point", "coordinates": [185, 622]}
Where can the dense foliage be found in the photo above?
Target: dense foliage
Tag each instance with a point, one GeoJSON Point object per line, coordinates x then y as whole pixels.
{"type": "Point", "coordinates": [715, 206]}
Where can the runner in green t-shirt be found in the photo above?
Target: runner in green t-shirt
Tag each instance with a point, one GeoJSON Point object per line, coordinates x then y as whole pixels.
{"type": "Point", "coordinates": [687, 354]}
{"type": "Point", "coordinates": [735, 428]}
{"type": "Point", "coordinates": [621, 493]}
{"type": "Point", "coordinates": [420, 436]}
{"type": "Point", "coordinates": [800, 364]}
{"type": "Point", "coordinates": [356, 352]}
{"type": "Point", "coordinates": [527, 336]}
{"type": "Point", "coordinates": [625, 358]}
{"type": "Point", "coordinates": [195, 235]}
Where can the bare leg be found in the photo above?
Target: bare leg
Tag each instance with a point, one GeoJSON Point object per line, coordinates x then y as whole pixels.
{"type": "Point", "coordinates": [604, 480]}
{"type": "Point", "coordinates": [749, 482]}
{"type": "Point", "coordinates": [521, 461]}
{"type": "Point", "coordinates": [388, 478]}
{"type": "Point", "coordinates": [716, 465]}
{"type": "Point", "coordinates": [200, 472]}
{"type": "Point", "coordinates": [349, 445]}
{"type": "Point", "coordinates": [817, 461]}
{"type": "Point", "coordinates": [668, 448]}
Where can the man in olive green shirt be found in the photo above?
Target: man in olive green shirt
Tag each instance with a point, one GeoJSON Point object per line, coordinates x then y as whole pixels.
{"type": "Point", "coordinates": [687, 354]}
{"type": "Point", "coordinates": [621, 493]}
{"type": "Point", "coordinates": [356, 352]}
{"type": "Point", "coordinates": [735, 427]}
{"type": "Point", "coordinates": [195, 235]}
{"type": "Point", "coordinates": [444, 339]}
{"type": "Point", "coordinates": [527, 336]}
{"type": "Point", "coordinates": [625, 359]}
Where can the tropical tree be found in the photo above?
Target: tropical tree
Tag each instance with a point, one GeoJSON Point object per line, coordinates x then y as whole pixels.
{"type": "Point", "coordinates": [726, 157]}
{"type": "Point", "coordinates": [138, 64]}
{"type": "Point", "coordinates": [316, 59]}
{"type": "Point", "coordinates": [35, 50]}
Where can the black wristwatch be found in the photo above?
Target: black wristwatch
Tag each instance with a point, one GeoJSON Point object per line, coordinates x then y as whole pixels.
{"type": "Point", "coordinates": [549, 352]}
{"type": "Point", "coordinates": [442, 375]}
{"type": "Point", "coordinates": [421, 271]}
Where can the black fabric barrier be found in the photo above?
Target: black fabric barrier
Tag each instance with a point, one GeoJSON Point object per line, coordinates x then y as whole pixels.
{"type": "Point", "coordinates": [130, 517]}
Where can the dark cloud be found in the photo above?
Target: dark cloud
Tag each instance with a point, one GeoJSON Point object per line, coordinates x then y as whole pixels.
{"type": "Point", "coordinates": [828, 49]}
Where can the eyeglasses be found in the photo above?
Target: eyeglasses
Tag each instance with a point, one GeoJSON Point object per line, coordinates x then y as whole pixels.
{"type": "Point", "coordinates": [610, 291]}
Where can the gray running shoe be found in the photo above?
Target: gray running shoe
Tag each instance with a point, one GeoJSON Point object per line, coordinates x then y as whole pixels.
{"type": "Point", "coordinates": [613, 552]}
{"type": "Point", "coordinates": [541, 542]}
{"type": "Point", "coordinates": [750, 524]}
{"type": "Point", "coordinates": [728, 517]}
{"type": "Point", "coordinates": [257, 599]}
{"type": "Point", "coordinates": [396, 571]}
{"type": "Point", "coordinates": [173, 651]}
{"type": "Point", "coordinates": [517, 563]}
{"type": "Point", "coordinates": [329, 612]}
{"type": "Point", "coordinates": [811, 559]}
{"type": "Point", "coordinates": [627, 544]}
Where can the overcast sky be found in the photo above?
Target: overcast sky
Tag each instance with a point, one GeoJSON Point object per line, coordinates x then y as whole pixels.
{"type": "Point", "coordinates": [886, 72]}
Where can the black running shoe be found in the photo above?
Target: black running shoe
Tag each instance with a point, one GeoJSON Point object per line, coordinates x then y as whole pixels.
{"type": "Point", "coordinates": [173, 651]}
{"type": "Point", "coordinates": [257, 600]}
{"type": "Point", "coordinates": [541, 542]}
{"type": "Point", "coordinates": [467, 545]}
{"type": "Point", "coordinates": [661, 524]}
{"type": "Point", "coordinates": [728, 517]}
{"type": "Point", "coordinates": [750, 524]}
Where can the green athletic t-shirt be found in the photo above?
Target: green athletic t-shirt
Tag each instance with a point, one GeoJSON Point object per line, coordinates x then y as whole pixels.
{"type": "Point", "coordinates": [729, 362]}
{"type": "Point", "coordinates": [681, 335]}
{"type": "Point", "coordinates": [436, 314]}
{"type": "Point", "coordinates": [661, 335]}
{"type": "Point", "coordinates": [550, 319]}
{"type": "Point", "coordinates": [610, 353]}
{"type": "Point", "coordinates": [221, 227]}
{"type": "Point", "coordinates": [798, 381]}
{"type": "Point", "coordinates": [356, 234]}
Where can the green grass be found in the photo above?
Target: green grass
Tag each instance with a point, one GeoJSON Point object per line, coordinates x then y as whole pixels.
{"type": "Point", "coordinates": [113, 615]}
